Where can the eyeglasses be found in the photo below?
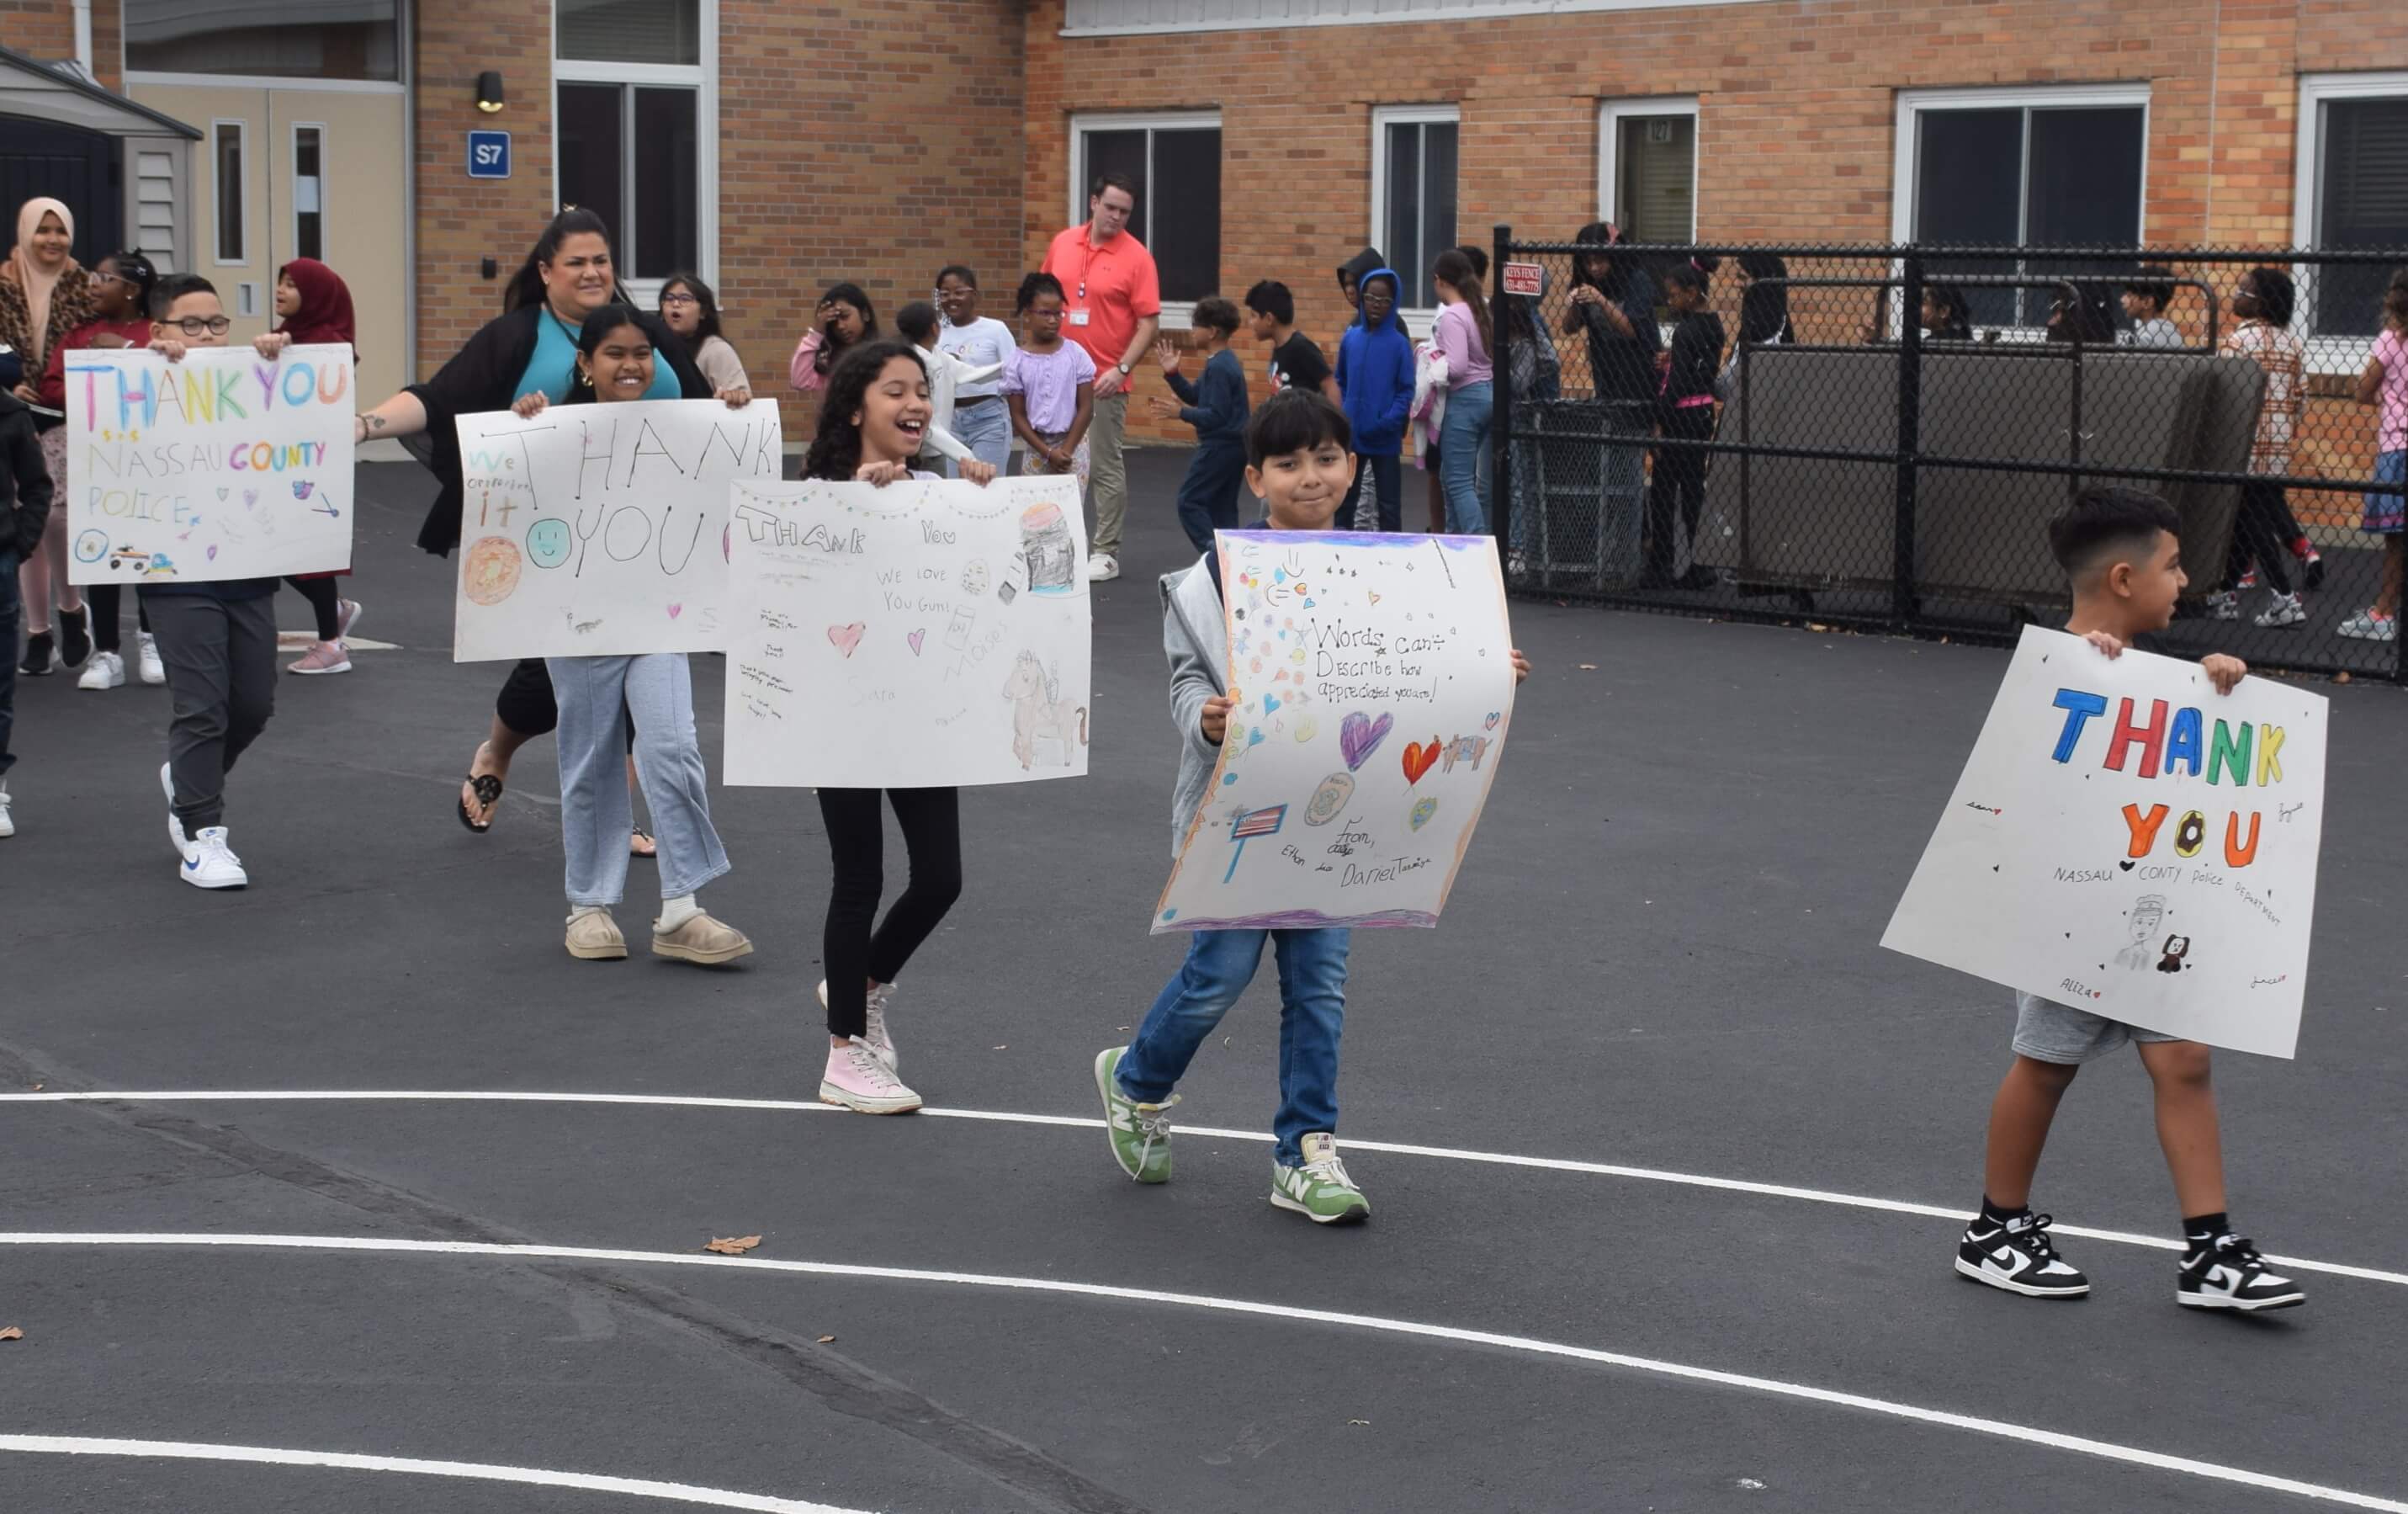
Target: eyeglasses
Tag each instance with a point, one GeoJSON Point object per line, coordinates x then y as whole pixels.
{"type": "Point", "coordinates": [679, 299]}
{"type": "Point", "coordinates": [111, 279]}
{"type": "Point", "coordinates": [192, 325]}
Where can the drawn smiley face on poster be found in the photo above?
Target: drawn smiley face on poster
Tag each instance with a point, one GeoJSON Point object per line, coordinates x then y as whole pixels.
{"type": "Point", "coordinates": [548, 541]}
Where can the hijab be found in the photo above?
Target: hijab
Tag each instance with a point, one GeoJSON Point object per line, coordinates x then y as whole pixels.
{"type": "Point", "coordinates": [30, 278]}
{"type": "Point", "coordinates": [326, 311]}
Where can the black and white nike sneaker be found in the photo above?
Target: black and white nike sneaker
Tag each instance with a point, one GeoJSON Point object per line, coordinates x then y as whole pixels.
{"type": "Point", "coordinates": [2018, 1257]}
{"type": "Point", "coordinates": [2228, 1273]}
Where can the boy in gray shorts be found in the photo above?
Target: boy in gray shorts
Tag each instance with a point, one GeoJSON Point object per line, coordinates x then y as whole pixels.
{"type": "Point", "coordinates": [2120, 549]}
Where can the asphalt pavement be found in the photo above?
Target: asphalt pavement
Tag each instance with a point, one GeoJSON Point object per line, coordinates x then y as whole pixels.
{"type": "Point", "coordinates": [1705, 1284]}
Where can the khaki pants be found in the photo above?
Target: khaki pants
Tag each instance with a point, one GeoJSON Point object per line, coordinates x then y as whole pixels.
{"type": "Point", "coordinates": [1107, 474]}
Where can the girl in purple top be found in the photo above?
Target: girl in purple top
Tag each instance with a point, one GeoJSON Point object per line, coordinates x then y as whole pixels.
{"type": "Point", "coordinates": [1462, 337]}
{"type": "Point", "coordinates": [1050, 383]}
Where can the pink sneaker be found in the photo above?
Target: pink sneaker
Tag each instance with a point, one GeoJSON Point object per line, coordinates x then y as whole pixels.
{"type": "Point", "coordinates": [347, 615]}
{"type": "Point", "coordinates": [857, 1080]}
{"type": "Point", "coordinates": [323, 658]}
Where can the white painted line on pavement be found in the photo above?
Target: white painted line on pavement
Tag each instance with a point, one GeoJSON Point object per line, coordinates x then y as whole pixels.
{"type": "Point", "coordinates": [676, 1493]}
{"type": "Point", "coordinates": [2131, 1455]}
{"type": "Point", "coordinates": [1557, 1164]}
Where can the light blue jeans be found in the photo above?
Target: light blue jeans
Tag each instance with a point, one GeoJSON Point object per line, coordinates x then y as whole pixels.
{"type": "Point", "coordinates": [986, 430]}
{"type": "Point", "coordinates": [1464, 464]}
{"type": "Point", "coordinates": [1312, 1007]}
{"type": "Point", "coordinates": [596, 696]}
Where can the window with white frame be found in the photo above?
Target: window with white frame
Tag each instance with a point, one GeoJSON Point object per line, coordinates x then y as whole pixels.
{"type": "Point", "coordinates": [635, 88]}
{"type": "Point", "coordinates": [1413, 192]}
{"type": "Point", "coordinates": [1180, 154]}
{"type": "Point", "coordinates": [355, 39]}
{"type": "Point", "coordinates": [309, 190]}
{"type": "Point", "coordinates": [2059, 166]}
{"type": "Point", "coordinates": [2352, 192]}
{"type": "Point", "coordinates": [1648, 168]}
{"type": "Point", "coordinates": [226, 160]}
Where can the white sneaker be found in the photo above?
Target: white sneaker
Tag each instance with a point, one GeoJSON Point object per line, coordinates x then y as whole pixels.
{"type": "Point", "coordinates": [176, 836]}
{"type": "Point", "coordinates": [8, 821]}
{"type": "Point", "coordinates": [2283, 610]}
{"type": "Point", "coordinates": [2224, 606]}
{"type": "Point", "coordinates": [154, 672]}
{"type": "Point", "coordinates": [210, 863]}
{"type": "Point", "coordinates": [2366, 626]}
{"type": "Point", "coordinates": [1103, 568]}
{"type": "Point", "coordinates": [105, 671]}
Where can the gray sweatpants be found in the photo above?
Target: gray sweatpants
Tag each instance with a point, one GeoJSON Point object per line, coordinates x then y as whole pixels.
{"type": "Point", "coordinates": [596, 696]}
{"type": "Point", "coordinates": [221, 660]}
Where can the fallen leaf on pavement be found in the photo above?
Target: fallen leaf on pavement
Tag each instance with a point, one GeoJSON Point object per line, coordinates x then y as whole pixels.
{"type": "Point", "coordinates": [1588, 666]}
{"type": "Point", "coordinates": [827, 1340]}
{"type": "Point", "coordinates": [12, 1333]}
{"type": "Point", "coordinates": [733, 1245]}
{"type": "Point", "coordinates": [1358, 1422]}
{"type": "Point", "coordinates": [2342, 677]}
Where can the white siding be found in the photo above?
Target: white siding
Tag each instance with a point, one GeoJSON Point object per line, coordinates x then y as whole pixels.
{"type": "Point", "coordinates": [1107, 17]}
{"type": "Point", "coordinates": [154, 208]}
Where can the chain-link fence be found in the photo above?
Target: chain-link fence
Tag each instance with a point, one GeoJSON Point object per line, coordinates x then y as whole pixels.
{"type": "Point", "coordinates": [1876, 437]}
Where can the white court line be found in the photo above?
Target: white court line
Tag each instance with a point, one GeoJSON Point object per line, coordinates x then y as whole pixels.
{"type": "Point", "coordinates": [2131, 1455]}
{"type": "Point", "coordinates": [676, 1493]}
{"type": "Point", "coordinates": [1556, 1164]}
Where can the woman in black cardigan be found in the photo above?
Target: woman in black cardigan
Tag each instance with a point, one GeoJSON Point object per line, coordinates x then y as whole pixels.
{"type": "Point", "coordinates": [532, 345]}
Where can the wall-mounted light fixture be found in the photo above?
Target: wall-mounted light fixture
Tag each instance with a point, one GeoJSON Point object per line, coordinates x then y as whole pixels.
{"type": "Point", "coordinates": [489, 92]}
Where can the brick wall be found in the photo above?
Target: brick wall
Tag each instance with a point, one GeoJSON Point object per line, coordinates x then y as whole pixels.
{"type": "Point", "coordinates": [43, 29]}
{"type": "Point", "coordinates": [1796, 106]}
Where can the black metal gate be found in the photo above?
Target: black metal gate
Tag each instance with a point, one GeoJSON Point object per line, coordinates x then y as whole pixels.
{"type": "Point", "coordinates": [81, 169]}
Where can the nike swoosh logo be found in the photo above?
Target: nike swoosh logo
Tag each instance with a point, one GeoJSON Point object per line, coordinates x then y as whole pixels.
{"type": "Point", "coordinates": [192, 864]}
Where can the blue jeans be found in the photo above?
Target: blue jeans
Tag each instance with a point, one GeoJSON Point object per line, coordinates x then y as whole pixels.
{"type": "Point", "coordinates": [1313, 1006]}
{"type": "Point", "coordinates": [1463, 458]}
{"type": "Point", "coordinates": [986, 430]}
{"type": "Point", "coordinates": [1378, 473]}
{"type": "Point", "coordinates": [1207, 497]}
{"type": "Point", "coordinates": [596, 697]}
{"type": "Point", "coordinates": [7, 652]}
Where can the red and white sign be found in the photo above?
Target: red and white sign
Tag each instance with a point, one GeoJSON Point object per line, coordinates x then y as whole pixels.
{"type": "Point", "coordinates": [1523, 278]}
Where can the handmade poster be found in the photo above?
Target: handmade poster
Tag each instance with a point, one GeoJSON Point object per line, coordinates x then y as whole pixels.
{"type": "Point", "coordinates": [224, 465]}
{"type": "Point", "coordinates": [601, 529]}
{"type": "Point", "coordinates": [1374, 680]}
{"type": "Point", "coordinates": [2127, 841]}
{"type": "Point", "coordinates": [914, 635]}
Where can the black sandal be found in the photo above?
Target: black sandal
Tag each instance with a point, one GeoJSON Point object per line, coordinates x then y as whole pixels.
{"type": "Point", "coordinates": [488, 790]}
{"type": "Point", "coordinates": [639, 833]}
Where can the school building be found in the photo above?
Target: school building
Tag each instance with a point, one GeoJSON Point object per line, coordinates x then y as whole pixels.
{"type": "Point", "coordinates": [417, 146]}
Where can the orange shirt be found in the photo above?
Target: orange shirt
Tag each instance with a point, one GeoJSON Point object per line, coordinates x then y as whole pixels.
{"type": "Point", "coordinates": [1114, 284]}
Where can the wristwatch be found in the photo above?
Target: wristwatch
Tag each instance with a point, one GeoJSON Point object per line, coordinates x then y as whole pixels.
{"type": "Point", "coordinates": [1124, 368]}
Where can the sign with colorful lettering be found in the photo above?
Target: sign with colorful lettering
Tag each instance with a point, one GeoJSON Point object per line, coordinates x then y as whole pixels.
{"type": "Point", "coordinates": [224, 465]}
{"type": "Point", "coordinates": [489, 155]}
{"type": "Point", "coordinates": [924, 634]}
{"type": "Point", "coordinates": [1375, 680]}
{"type": "Point", "coordinates": [2127, 841]}
{"type": "Point", "coordinates": [601, 529]}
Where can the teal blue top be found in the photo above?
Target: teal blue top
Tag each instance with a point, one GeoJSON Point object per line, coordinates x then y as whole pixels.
{"type": "Point", "coordinates": [553, 368]}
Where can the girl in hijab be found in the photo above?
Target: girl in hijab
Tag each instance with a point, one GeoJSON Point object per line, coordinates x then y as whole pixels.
{"type": "Point", "coordinates": [43, 297]}
{"type": "Point", "coordinates": [314, 308]}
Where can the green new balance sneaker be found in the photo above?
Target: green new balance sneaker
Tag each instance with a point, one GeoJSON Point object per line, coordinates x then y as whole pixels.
{"type": "Point", "coordinates": [1318, 1188]}
{"type": "Point", "coordinates": [1139, 1133]}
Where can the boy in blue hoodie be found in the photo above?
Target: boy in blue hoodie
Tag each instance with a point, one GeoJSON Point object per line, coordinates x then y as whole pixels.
{"type": "Point", "coordinates": [1375, 374]}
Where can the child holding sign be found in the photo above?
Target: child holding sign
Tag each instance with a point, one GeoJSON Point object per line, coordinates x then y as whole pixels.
{"type": "Point", "coordinates": [2119, 547]}
{"type": "Point", "coordinates": [872, 424]}
{"type": "Point", "coordinates": [1301, 463]}
{"type": "Point", "coordinates": [598, 696]}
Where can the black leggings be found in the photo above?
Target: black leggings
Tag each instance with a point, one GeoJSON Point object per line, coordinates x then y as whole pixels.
{"type": "Point", "coordinates": [1676, 496]}
{"type": "Point", "coordinates": [107, 606]}
{"type": "Point", "coordinates": [525, 703]}
{"type": "Point", "coordinates": [2258, 531]}
{"type": "Point", "coordinates": [324, 602]}
{"type": "Point", "coordinates": [931, 819]}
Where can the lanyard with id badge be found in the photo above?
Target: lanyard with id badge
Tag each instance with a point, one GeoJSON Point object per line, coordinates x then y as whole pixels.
{"type": "Point", "coordinates": [1078, 316]}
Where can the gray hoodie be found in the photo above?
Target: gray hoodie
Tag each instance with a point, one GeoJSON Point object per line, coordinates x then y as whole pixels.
{"type": "Point", "coordinates": [1195, 639]}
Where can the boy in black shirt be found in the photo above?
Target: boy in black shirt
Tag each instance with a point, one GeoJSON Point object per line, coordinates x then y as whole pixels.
{"type": "Point", "coordinates": [1296, 362]}
{"type": "Point", "coordinates": [2119, 547]}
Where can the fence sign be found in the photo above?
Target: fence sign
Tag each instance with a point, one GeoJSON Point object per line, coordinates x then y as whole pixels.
{"type": "Point", "coordinates": [224, 465]}
{"type": "Point", "coordinates": [2127, 841]}
{"type": "Point", "coordinates": [919, 635]}
{"type": "Point", "coordinates": [1523, 278]}
{"type": "Point", "coordinates": [600, 530]}
{"type": "Point", "coordinates": [1374, 682]}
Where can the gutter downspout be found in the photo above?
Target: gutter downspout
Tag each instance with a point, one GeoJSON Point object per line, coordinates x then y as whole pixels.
{"type": "Point", "coordinates": [83, 37]}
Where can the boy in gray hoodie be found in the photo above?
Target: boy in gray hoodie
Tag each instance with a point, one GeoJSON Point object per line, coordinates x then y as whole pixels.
{"type": "Point", "coordinates": [1299, 461]}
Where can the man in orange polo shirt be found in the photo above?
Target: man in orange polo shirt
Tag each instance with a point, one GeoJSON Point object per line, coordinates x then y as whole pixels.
{"type": "Point", "coordinates": [1115, 311]}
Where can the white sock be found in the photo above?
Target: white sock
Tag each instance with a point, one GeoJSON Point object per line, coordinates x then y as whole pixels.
{"type": "Point", "coordinates": [578, 912]}
{"type": "Point", "coordinates": [676, 912]}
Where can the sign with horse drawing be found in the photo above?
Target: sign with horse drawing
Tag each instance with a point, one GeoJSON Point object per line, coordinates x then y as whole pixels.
{"type": "Point", "coordinates": [601, 530]}
{"type": "Point", "coordinates": [1374, 680]}
{"type": "Point", "coordinates": [2129, 841]}
{"type": "Point", "coordinates": [224, 465]}
{"type": "Point", "coordinates": [920, 635]}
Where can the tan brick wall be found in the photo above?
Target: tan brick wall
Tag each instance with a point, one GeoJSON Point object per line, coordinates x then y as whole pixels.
{"type": "Point", "coordinates": [43, 29]}
{"type": "Point", "coordinates": [1796, 106]}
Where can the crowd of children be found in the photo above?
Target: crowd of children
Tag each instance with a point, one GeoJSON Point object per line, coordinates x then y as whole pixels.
{"type": "Point", "coordinates": [568, 335]}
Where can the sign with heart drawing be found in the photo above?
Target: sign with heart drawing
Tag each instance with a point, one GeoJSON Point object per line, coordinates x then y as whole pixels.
{"type": "Point", "coordinates": [1375, 680]}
